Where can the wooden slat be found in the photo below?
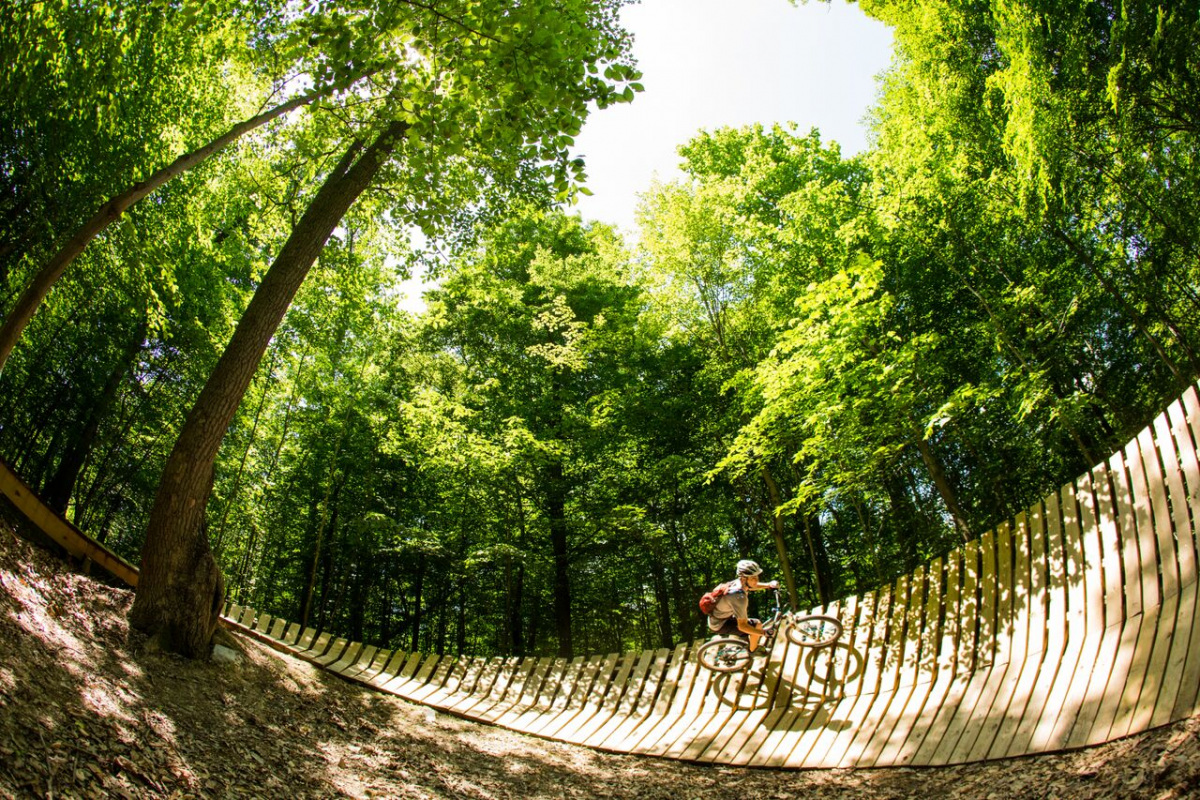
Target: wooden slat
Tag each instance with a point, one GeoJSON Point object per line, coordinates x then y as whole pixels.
{"type": "Point", "coordinates": [366, 658]}
{"type": "Point", "coordinates": [566, 728]}
{"type": "Point", "coordinates": [911, 617]}
{"type": "Point", "coordinates": [683, 714]}
{"type": "Point", "coordinates": [948, 724]}
{"type": "Point", "coordinates": [776, 750]}
{"type": "Point", "coordinates": [1029, 637]}
{"type": "Point", "coordinates": [1049, 735]}
{"type": "Point", "coordinates": [348, 658]}
{"type": "Point", "coordinates": [943, 657]}
{"type": "Point", "coordinates": [992, 708]}
{"type": "Point", "coordinates": [569, 687]}
{"type": "Point", "coordinates": [640, 708]}
{"type": "Point", "coordinates": [964, 726]}
{"type": "Point", "coordinates": [875, 667]}
{"type": "Point", "coordinates": [73, 540]}
{"type": "Point", "coordinates": [582, 729]}
{"type": "Point", "coordinates": [491, 688]}
{"type": "Point", "coordinates": [593, 679]}
{"type": "Point", "coordinates": [1110, 670]}
{"type": "Point", "coordinates": [1086, 690]}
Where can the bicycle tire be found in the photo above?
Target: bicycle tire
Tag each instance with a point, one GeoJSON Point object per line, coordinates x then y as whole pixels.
{"type": "Point", "coordinates": [724, 654]}
{"type": "Point", "coordinates": [816, 630]}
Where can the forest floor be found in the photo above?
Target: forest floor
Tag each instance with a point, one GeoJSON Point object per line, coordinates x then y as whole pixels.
{"type": "Point", "coordinates": [85, 711]}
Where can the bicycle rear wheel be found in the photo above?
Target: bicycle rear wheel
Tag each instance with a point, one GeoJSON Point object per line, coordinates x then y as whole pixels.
{"type": "Point", "coordinates": [724, 654]}
{"type": "Point", "coordinates": [814, 631]}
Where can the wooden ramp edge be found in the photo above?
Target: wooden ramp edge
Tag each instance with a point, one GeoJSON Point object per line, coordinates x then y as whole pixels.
{"type": "Point", "coordinates": [73, 540]}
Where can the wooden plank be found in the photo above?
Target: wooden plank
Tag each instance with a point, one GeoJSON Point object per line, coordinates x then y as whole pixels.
{"type": "Point", "coordinates": [278, 628]}
{"type": "Point", "coordinates": [389, 670]}
{"type": "Point", "coordinates": [730, 730]}
{"type": "Point", "coordinates": [406, 674]}
{"type": "Point", "coordinates": [1029, 635]}
{"type": "Point", "coordinates": [910, 615]}
{"type": "Point", "coordinates": [1141, 537]}
{"type": "Point", "coordinates": [789, 702]}
{"type": "Point", "coordinates": [336, 654]}
{"type": "Point", "coordinates": [610, 699]}
{"type": "Point", "coordinates": [671, 704]}
{"type": "Point", "coordinates": [1046, 540]}
{"type": "Point", "coordinates": [1153, 685]}
{"type": "Point", "coordinates": [803, 713]}
{"type": "Point", "coordinates": [601, 683]}
{"type": "Point", "coordinates": [1178, 458]}
{"type": "Point", "coordinates": [634, 685]}
{"type": "Point", "coordinates": [305, 641]}
{"type": "Point", "coordinates": [541, 699]}
{"type": "Point", "coordinates": [264, 624]}
{"type": "Point", "coordinates": [490, 688]}
{"type": "Point", "coordinates": [641, 708]}
{"type": "Point", "coordinates": [685, 716]}
{"type": "Point", "coordinates": [533, 671]}
{"type": "Point", "coordinates": [875, 668]}
{"type": "Point", "coordinates": [944, 657]}
{"type": "Point", "coordinates": [365, 658]}
{"type": "Point", "coordinates": [1111, 669]}
{"type": "Point", "coordinates": [318, 646]}
{"type": "Point", "coordinates": [1086, 691]}
{"type": "Point", "coordinates": [291, 635]}
{"type": "Point", "coordinates": [567, 690]}
{"type": "Point", "coordinates": [444, 683]}
{"type": "Point", "coordinates": [73, 540]}
{"type": "Point", "coordinates": [832, 739]}
{"type": "Point", "coordinates": [1185, 421]}
{"type": "Point", "coordinates": [1168, 557]}
{"type": "Point", "coordinates": [1011, 634]}
{"type": "Point", "coordinates": [376, 666]}
{"type": "Point", "coordinates": [1188, 701]}
{"type": "Point", "coordinates": [964, 727]}
{"type": "Point", "coordinates": [1048, 734]}
{"type": "Point", "coordinates": [975, 650]}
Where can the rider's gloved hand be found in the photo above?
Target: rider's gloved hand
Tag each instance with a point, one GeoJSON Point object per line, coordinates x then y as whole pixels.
{"type": "Point", "coordinates": [773, 584]}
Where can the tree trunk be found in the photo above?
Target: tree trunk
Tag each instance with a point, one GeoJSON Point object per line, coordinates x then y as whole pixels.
{"type": "Point", "coordinates": [777, 533]}
{"type": "Point", "coordinates": [112, 210]}
{"type": "Point", "coordinates": [556, 502]}
{"type": "Point", "coordinates": [942, 483]}
{"type": "Point", "coordinates": [181, 589]}
{"type": "Point", "coordinates": [61, 485]}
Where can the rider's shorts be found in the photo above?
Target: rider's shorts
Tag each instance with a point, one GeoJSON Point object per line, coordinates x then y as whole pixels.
{"type": "Point", "coordinates": [730, 627]}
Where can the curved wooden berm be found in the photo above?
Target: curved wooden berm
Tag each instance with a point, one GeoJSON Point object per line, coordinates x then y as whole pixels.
{"type": "Point", "coordinates": [1071, 625]}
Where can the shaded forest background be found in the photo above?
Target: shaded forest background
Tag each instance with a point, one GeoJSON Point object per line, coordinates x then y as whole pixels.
{"type": "Point", "coordinates": [837, 366]}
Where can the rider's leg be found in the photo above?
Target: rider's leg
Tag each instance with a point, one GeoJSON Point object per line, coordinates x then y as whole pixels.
{"type": "Point", "coordinates": [753, 631]}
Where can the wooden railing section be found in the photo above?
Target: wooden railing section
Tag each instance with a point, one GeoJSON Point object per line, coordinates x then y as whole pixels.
{"type": "Point", "coordinates": [1071, 625]}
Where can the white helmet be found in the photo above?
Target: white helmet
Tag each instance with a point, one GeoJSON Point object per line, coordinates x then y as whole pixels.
{"type": "Point", "coordinates": [746, 567]}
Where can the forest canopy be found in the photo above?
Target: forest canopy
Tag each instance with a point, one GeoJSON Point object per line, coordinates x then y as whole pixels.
{"type": "Point", "coordinates": [838, 366]}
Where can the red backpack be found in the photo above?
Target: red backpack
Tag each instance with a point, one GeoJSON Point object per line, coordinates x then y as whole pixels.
{"type": "Point", "coordinates": [709, 601]}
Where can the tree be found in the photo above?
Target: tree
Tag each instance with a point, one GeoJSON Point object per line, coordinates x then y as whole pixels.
{"type": "Point", "coordinates": [515, 90]}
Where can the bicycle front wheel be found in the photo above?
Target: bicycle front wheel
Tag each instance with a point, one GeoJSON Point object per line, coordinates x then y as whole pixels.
{"type": "Point", "coordinates": [725, 654]}
{"type": "Point", "coordinates": [814, 631]}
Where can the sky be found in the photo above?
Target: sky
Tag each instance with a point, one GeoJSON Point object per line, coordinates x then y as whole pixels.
{"type": "Point", "coordinates": [713, 63]}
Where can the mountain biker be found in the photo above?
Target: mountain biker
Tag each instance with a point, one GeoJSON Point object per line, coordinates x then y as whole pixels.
{"type": "Point", "coordinates": [732, 612]}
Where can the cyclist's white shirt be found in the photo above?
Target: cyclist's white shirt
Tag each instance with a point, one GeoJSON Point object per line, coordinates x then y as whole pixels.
{"type": "Point", "coordinates": [734, 603]}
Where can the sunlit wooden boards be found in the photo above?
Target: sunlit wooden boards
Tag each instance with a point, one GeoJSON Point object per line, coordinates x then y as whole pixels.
{"type": "Point", "coordinates": [1073, 624]}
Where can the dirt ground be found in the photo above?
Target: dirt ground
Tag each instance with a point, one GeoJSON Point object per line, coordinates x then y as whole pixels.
{"type": "Point", "coordinates": [86, 712]}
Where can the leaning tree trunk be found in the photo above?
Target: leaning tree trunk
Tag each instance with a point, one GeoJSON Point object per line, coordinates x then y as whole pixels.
{"type": "Point", "coordinates": [181, 588]}
{"type": "Point", "coordinates": [27, 305]}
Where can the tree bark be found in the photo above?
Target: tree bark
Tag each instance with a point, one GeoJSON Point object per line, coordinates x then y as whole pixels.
{"type": "Point", "coordinates": [777, 532]}
{"type": "Point", "coordinates": [27, 305]}
{"type": "Point", "coordinates": [556, 502]}
{"type": "Point", "coordinates": [181, 589]}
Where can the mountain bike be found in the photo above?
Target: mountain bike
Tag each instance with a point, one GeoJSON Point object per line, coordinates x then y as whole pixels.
{"type": "Point", "coordinates": [732, 653]}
